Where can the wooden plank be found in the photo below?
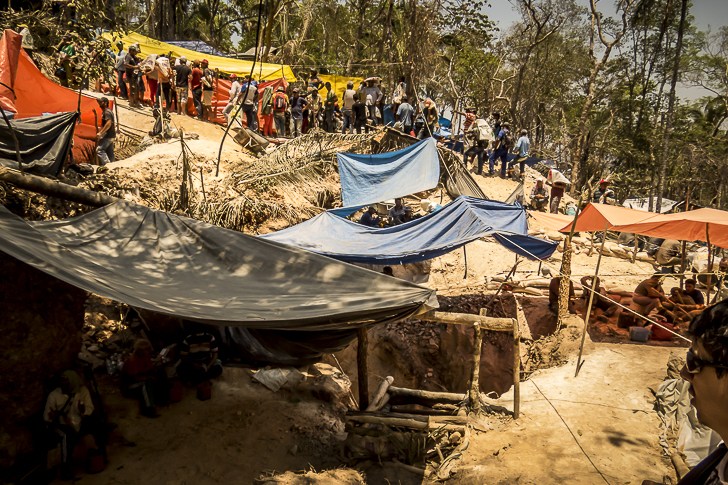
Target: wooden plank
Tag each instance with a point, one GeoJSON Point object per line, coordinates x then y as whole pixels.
{"type": "Point", "coordinates": [486, 323]}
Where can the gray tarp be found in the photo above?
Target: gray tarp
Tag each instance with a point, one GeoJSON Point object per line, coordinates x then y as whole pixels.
{"type": "Point", "coordinates": [44, 142]}
{"type": "Point", "coordinates": [182, 267]}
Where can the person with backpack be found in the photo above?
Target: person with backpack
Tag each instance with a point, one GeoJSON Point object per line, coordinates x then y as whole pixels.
{"type": "Point", "coordinates": [478, 137]}
{"type": "Point", "coordinates": [503, 143]}
{"type": "Point", "coordinates": [249, 95]}
{"type": "Point", "coordinates": [266, 110]}
{"type": "Point", "coordinates": [280, 105]}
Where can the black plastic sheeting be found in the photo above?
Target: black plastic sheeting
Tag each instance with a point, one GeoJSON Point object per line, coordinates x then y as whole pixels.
{"type": "Point", "coordinates": [276, 304]}
{"type": "Point", "coordinates": [44, 143]}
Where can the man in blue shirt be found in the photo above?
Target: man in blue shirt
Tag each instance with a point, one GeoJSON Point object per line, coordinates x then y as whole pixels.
{"type": "Point", "coordinates": [521, 149]}
{"type": "Point", "coordinates": [370, 217]}
{"type": "Point", "coordinates": [500, 150]}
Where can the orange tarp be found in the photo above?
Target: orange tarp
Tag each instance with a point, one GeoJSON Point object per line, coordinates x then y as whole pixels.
{"type": "Point", "coordinates": [36, 95]}
{"type": "Point", "coordinates": [696, 225]}
{"type": "Point", "coordinates": [550, 222]}
{"type": "Point", "coordinates": [9, 52]}
{"type": "Point", "coordinates": [598, 217]}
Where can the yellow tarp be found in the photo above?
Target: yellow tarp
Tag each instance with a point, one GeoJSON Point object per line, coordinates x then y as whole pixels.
{"type": "Point", "coordinates": [338, 83]}
{"type": "Point", "coordinates": [263, 71]}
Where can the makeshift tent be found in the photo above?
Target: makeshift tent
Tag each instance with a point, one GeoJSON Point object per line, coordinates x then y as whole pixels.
{"type": "Point", "coordinates": [44, 143]}
{"type": "Point", "coordinates": [37, 95]}
{"type": "Point", "coordinates": [458, 223]}
{"type": "Point", "coordinates": [366, 179]}
{"type": "Point", "coordinates": [9, 53]}
{"type": "Point", "coordinates": [265, 71]}
{"type": "Point", "coordinates": [707, 225]}
{"type": "Point", "coordinates": [551, 222]}
{"type": "Point", "coordinates": [274, 303]}
{"type": "Point", "coordinates": [600, 217]}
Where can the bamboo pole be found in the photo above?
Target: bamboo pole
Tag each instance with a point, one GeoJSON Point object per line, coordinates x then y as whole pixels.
{"type": "Point", "coordinates": [486, 323]}
{"type": "Point", "coordinates": [594, 289]}
{"type": "Point", "coordinates": [711, 277]}
{"type": "Point", "coordinates": [361, 367]}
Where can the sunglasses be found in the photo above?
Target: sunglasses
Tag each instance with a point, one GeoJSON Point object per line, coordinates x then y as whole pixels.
{"type": "Point", "coordinates": [694, 364]}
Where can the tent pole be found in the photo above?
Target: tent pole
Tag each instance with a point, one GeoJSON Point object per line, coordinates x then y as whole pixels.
{"type": "Point", "coordinates": [361, 367]}
{"type": "Point", "coordinates": [682, 256]}
{"type": "Point", "coordinates": [594, 289]}
{"type": "Point", "coordinates": [465, 255]}
{"type": "Point", "coordinates": [14, 135]}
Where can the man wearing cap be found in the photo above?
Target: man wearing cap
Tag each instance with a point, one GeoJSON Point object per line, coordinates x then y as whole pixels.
{"type": "Point", "coordinates": [233, 99]}
{"type": "Point", "coordinates": [207, 90]}
{"type": "Point", "coordinates": [182, 84]}
{"type": "Point", "coordinates": [280, 105]}
{"type": "Point", "coordinates": [120, 69]}
{"type": "Point", "coordinates": [106, 134]}
{"type": "Point", "coordinates": [603, 195]}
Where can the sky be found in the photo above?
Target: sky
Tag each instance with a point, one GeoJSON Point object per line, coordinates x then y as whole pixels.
{"type": "Point", "coordinates": [708, 14]}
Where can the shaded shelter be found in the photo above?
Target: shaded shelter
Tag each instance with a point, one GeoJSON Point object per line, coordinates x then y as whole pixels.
{"type": "Point", "coordinates": [462, 221]}
{"type": "Point", "coordinates": [707, 225]}
{"type": "Point", "coordinates": [601, 217]}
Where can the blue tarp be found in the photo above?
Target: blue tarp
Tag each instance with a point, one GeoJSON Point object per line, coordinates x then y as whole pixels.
{"type": "Point", "coordinates": [366, 179]}
{"type": "Point", "coordinates": [458, 223]}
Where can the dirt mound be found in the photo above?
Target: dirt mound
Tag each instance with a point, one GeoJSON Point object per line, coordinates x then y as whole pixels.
{"type": "Point", "coordinates": [341, 476]}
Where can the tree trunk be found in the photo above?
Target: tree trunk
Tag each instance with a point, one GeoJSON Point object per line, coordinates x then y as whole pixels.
{"type": "Point", "coordinates": [671, 105]}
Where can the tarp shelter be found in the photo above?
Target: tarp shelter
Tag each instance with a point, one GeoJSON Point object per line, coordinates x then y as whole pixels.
{"type": "Point", "coordinates": [37, 95]}
{"type": "Point", "coordinates": [598, 217]}
{"type": "Point", "coordinates": [366, 179]}
{"type": "Point", "coordinates": [707, 225]}
{"type": "Point", "coordinates": [551, 222]}
{"type": "Point", "coordinates": [10, 45]}
{"type": "Point", "coordinates": [44, 143]}
{"type": "Point", "coordinates": [277, 303]}
{"type": "Point", "coordinates": [264, 71]}
{"type": "Point", "coordinates": [338, 84]}
{"type": "Point", "coordinates": [462, 221]}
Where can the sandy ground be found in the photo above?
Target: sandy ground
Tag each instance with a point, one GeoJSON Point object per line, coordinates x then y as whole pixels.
{"type": "Point", "coordinates": [246, 430]}
{"type": "Point", "coordinates": [608, 408]}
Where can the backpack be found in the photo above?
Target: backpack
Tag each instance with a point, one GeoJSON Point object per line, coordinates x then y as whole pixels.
{"type": "Point", "coordinates": [279, 103]}
{"type": "Point", "coordinates": [483, 131]}
{"type": "Point", "coordinates": [507, 139]}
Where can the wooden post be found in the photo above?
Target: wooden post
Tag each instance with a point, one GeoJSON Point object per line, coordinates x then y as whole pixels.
{"type": "Point", "coordinates": [475, 375]}
{"type": "Point", "coordinates": [361, 367]}
{"type": "Point", "coordinates": [52, 188]}
{"type": "Point", "coordinates": [565, 271]}
{"type": "Point", "coordinates": [711, 278]}
{"type": "Point", "coordinates": [516, 362]}
{"type": "Point", "coordinates": [594, 289]}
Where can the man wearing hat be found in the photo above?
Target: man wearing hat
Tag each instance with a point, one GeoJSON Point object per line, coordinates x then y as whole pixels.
{"type": "Point", "coordinates": [233, 99]}
{"type": "Point", "coordinates": [280, 105]}
{"type": "Point", "coordinates": [120, 69]}
{"type": "Point", "coordinates": [603, 195]}
{"type": "Point", "coordinates": [130, 65]}
{"type": "Point", "coordinates": [182, 74]}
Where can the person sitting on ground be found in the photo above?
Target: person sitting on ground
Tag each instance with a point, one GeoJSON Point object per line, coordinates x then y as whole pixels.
{"type": "Point", "coordinates": [693, 292]}
{"type": "Point", "coordinates": [198, 357]}
{"type": "Point", "coordinates": [648, 295]}
{"type": "Point", "coordinates": [141, 377]}
{"type": "Point", "coordinates": [706, 370]}
{"type": "Point", "coordinates": [554, 295]}
{"type": "Point", "coordinates": [67, 412]}
{"type": "Point", "coordinates": [603, 195]}
{"type": "Point", "coordinates": [370, 218]}
{"type": "Point", "coordinates": [679, 307]}
{"type": "Point", "coordinates": [603, 299]}
{"type": "Point", "coordinates": [539, 196]}
{"type": "Point", "coordinates": [399, 213]}
{"type": "Point", "coordinates": [669, 253]}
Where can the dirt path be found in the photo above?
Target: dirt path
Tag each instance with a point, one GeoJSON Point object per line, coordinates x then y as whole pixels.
{"type": "Point", "coordinates": [609, 410]}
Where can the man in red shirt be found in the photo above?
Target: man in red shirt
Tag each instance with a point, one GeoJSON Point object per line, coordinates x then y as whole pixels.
{"type": "Point", "coordinates": [196, 86]}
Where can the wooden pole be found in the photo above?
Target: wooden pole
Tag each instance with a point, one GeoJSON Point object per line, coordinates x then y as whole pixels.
{"type": "Point", "coordinates": [361, 367]}
{"type": "Point", "coordinates": [594, 289]}
{"type": "Point", "coordinates": [517, 362]}
{"type": "Point", "coordinates": [486, 323]}
{"type": "Point", "coordinates": [711, 278]}
{"type": "Point", "coordinates": [565, 270]}
{"type": "Point", "coordinates": [465, 257]}
{"type": "Point", "coordinates": [52, 188]}
{"type": "Point", "coordinates": [475, 374]}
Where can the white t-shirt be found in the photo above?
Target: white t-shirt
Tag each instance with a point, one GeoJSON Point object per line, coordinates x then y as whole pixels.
{"type": "Point", "coordinates": [79, 406]}
{"type": "Point", "coordinates": [349, 98]}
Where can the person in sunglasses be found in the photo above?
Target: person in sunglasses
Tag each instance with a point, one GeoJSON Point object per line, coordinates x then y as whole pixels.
{"type": "Point", "coordinates": [706, 369]}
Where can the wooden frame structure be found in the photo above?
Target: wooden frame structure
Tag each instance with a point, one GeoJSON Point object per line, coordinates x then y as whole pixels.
{"type": "Point", "coordinates": [479, 323]}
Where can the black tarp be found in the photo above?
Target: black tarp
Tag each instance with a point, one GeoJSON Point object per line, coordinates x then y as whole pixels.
{"type": "Point", "coordinates": [44, 141]}
{"type": "Point", "coordinates": [273, 303]}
